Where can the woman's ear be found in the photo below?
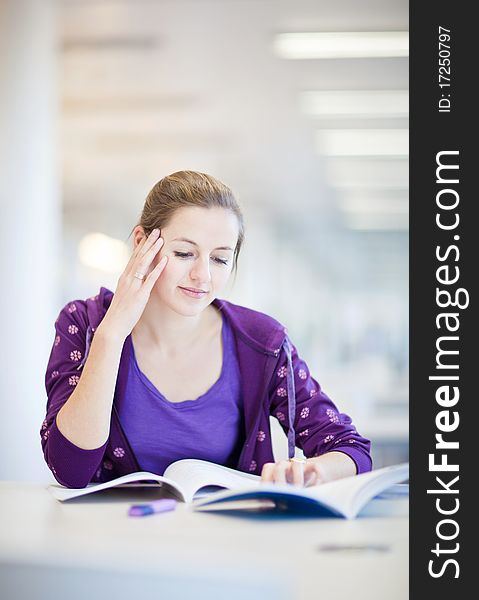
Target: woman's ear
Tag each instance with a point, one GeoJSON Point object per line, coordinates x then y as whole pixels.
{"type": "Point", "coordinates": [138, 235]}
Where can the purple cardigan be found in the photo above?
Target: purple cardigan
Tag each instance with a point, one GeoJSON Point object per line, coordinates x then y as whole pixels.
{"type": "Point", "coordinates": [274, 381]}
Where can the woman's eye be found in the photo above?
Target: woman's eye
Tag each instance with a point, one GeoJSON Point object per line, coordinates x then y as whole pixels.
{"type": "Point", "coordinates": [183, 254]}
{"type": "Point", "coordinates": [189, 254]}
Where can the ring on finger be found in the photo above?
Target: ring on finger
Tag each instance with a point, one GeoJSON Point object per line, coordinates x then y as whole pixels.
{"type": "Point", "coordinates": [139, 275]}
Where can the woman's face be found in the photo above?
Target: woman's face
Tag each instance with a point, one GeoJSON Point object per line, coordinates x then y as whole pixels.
{"type": "Point", "coordinates": [199, 243]}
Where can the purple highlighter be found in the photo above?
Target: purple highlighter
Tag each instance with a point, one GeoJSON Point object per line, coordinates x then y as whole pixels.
{"type": "Point", "coordinates": [158, 506]}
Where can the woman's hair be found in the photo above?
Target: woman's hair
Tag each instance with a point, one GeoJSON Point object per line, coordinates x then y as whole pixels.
{"type": "Point", "coordinates": [188, 188]}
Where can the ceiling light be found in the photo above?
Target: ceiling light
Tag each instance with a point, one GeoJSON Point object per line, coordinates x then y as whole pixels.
{"type": "Point", "coordinates": [353, 173]}
{"type": "Point", "coordinates": [371, 205]}
{"type": "Point", "coordinates": [363, 142]}
{"type": "Point", "coordinates": [360, 104]}
{"type": "Point", "coordinates": [362, 222]}
{"type": "Point", "coordinates": [376, 44]}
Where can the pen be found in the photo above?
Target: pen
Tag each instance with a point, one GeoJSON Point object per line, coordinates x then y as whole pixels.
{"type": "Point", "coordinates": [141, 510]}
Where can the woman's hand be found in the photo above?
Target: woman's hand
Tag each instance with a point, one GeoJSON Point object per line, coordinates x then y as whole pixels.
{"type": "Point", "coordinates": [312, 471]}
{"type": "Point", "coordinates": [302, 473]}
{"type": "Point", "coordinates": [132, 293]}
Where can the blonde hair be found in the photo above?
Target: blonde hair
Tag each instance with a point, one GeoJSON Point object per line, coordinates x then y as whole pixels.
{"type": "Point", "coordinates": [188, 188]}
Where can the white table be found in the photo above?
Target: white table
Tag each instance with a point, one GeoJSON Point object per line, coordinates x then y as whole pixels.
{"type": "Point", "coordinates": [89, 548]}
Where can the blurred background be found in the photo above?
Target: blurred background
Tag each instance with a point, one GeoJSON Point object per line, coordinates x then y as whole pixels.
{"type": "Point", "coordinates": [300, 107]}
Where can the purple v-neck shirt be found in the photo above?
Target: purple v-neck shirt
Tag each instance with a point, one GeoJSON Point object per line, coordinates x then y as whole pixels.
{"type": "Point", "coordinates": [208, 427]}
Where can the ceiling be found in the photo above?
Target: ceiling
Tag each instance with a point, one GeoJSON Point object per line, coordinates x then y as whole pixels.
{"type": "Point", "coordinates": [151, 87]}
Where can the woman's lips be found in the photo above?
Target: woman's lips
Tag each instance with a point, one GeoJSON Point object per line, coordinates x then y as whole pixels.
{"type": "Point", "coordinates": [191, 293]}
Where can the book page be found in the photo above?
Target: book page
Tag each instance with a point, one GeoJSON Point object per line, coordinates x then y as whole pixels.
{"type": "Point", "coordinates": [350, 494]}
{"type": "Point", "coordinates": [344, 497]}
{"type": "Point", "coordinates": [192, 475]}
{"type": "Point", "coordinates": [63, 493]}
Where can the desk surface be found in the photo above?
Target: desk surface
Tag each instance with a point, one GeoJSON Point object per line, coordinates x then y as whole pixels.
{"type": "Point", "coordinates": [196, 555]}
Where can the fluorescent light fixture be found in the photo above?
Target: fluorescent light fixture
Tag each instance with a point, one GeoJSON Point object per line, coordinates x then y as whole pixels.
{"type": "Point", "coordinates": [367, 174]}
{"type": "Point", "coordinates": [363, 142]}
{"type": "Point", "coordinates": [377, 206]}
{"type": "Point", "coordinates": [361, 222]}
{"type": "Point", "coordinates": [374, 104]}
{"type": "Point", "coordinates": [99, 251]}
{"type": "Point", "coordinates": [374, 44]}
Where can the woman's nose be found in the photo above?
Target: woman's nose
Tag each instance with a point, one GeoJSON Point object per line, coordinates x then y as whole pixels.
{"type": "Point", "coordinates": [201, 271]}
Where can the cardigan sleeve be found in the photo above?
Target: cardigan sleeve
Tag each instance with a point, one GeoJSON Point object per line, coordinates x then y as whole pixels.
{"type": "Point", "coordinates": [319, 426]}
{"type": "Point", "coordinates": [71, 465]}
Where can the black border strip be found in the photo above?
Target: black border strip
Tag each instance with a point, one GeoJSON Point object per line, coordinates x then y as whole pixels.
{"type": "Point", "coordinates": [431, 132]}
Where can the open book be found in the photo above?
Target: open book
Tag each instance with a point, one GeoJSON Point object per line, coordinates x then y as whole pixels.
{"type": "Point", "coordinates": [344, 497]}
{"type": "Point", "coordinates": [207, 486]}
{"type": "Point", "coordinates": [185, 479]}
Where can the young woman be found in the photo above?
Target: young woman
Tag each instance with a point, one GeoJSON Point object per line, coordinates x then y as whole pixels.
{"type": "Point", "coordinates": [163, 369]}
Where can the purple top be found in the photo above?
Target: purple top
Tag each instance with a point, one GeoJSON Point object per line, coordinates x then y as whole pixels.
{"type": "Point", "coordinates": [274, 380]}
{"type": "Point", "coordinates": [209, 427]}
